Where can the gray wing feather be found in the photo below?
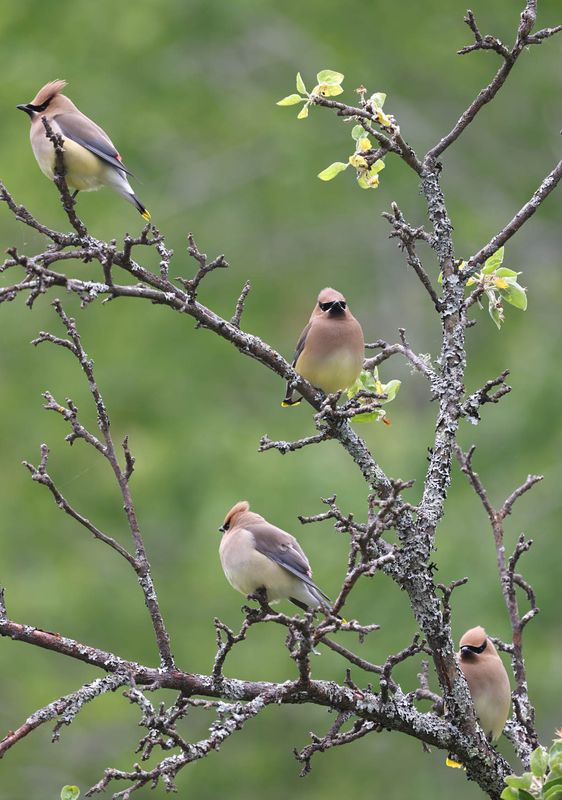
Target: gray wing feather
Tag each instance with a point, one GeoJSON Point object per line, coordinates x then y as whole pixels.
{"type": "Point", "coordinates": [288, 400]}
{"type": "Point", "coordinates": [283, 549]}
{"type": "Point", "coordinates": [72, 127]}
{"type": "Point", "coordinates": [300, 344]}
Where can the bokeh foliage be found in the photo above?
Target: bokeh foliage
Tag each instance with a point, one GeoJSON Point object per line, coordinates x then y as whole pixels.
{"type": "Point", "coordinates": [188, 91]}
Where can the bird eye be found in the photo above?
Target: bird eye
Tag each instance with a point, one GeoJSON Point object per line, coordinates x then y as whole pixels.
{"type": "Point", "coordinates": [475, 649]}
{"type": "Point", "coordinates": [226, 526]}
{"type": "Point", "coordinates": [333, 304]}
{"type": "Point", "coordinates": [42, 107]}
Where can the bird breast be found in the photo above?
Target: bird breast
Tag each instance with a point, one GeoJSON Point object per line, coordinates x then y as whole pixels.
{"type": "Point", "coordinates": [84, 170]}
{"type": "Point", "coordinates": [248, 570]}
{"type": "Point", "coordinates": [331, 371]}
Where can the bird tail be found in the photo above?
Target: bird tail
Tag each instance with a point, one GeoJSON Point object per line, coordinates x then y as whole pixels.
{"type": "Point", "coordinates": [142, 210]}
{"type": "Point", "coordinates": [117, 179]}
{"type": "Point", "coordinates": [322, 599]}
{"type": "Point", "coordinates": [290, 399]}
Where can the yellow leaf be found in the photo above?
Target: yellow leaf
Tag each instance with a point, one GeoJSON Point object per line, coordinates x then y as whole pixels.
{"type": "Point", "coordinates": [290, 100]}
{"type": "Point", "coordinates": [358, 161]}
{"type": "Point", "coordinates": [327, 90]}
{"type": "Point", "coordinates": [303, 113]}
{"type": "Point", "coordinates": [364, 144]}
{"type": "Point", "coordinates": [383, 119]}
{"type": "Point", "coordinates": [501, 284]}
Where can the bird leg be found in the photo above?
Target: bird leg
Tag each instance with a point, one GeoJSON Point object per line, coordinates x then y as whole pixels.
{"type": "Point", "coordinates": [260, 596]}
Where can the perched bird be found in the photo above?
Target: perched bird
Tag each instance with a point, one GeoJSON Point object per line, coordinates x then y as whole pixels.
{"type": "Point", "coordinates": [487, 680]}
{"type": "Point", "coordinates": [331, 348]}
{"type": "Point", "coordinates": [90, 158]}
{"type": "Point", "coordinates": [256, 555]}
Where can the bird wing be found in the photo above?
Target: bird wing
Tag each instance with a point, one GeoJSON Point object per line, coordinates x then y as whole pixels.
{"type": "Point", "coordinates": [300, 344]}
{"type": "Point", "coordinates": [86, 133]}
{"type": "Point", "coordinates": [283, 549]}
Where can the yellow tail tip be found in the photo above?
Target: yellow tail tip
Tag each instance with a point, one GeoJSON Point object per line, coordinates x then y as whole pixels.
{"type": "Point", "coordinates": [450, 762]}
{"type": "Point", "coordinates": [290, 404]}
{"type": "Point", "coordinates": [146, 215]}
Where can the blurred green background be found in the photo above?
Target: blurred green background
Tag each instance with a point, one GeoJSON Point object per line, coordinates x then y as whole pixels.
{"type": "Point", "coordinates": [187, 91]}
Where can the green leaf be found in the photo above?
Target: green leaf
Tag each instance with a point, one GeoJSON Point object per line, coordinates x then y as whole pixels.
{"type": "Point", "coordinates": [334, 169]}
{"type": "Point", "coordinates": [300, 84]}
{"type": "Point", "coordinates": [494, 310]}
{"type": "Point", "coordinates": [504, 272]}
{"type": "Point", "coordinates": [330, 77]}
{"type": "Point", "coordinates": [391, 390]}
{"type": "Point", "coordinates": [377, 166]}
{"type": "Point", "coordinates": [303, 113]}
{"type": "Point", "coordinates": [514, 294]}
{"type": "Point", "coordinates": [358, 132]}
{"type": "Point", "coordinates": [291, 100]}
{"type": "Point", "coordinates": [493, 262]}
{"type": "Point", "coordinates": [70, 793]}
{"type": "Point", "coordinates": [539, 761]}
{"type": "Point", "coordinates": [556, 783]}
{"type": "Point", "coordinates": [328, 90]}
{"type": "Point", "coordinates": [555, 763]}
{"type": "Point", "coordinates": [363, 181]}
{"type": "Point", "coordinates": [525, 795]}
{"type": "Point", "coordinates": [520, 781]}
{"type": "Point", "coordinates": [555, 748]}
{"type": "Point", "coordinates": [377, 100]}
{"type": "Point", "coordinates": [509, 794]}
{"type": "Point", "coordinates": [369, 416]}
{"type": "Point", "coordinates": [552, 794]}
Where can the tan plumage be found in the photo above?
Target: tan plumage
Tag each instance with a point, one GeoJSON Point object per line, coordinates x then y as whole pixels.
{"type": "Point", "coordinates": [331, 348]}
{"type": "Point", "coordinates": [90, 157]}
{"type": "Point", "coordinates": [257, 555]}
{"type": "Point", "coordinates": [487, 680]}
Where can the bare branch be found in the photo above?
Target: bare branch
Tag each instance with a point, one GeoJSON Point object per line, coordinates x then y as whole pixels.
{"type": "Point", "coordinates": [527, 21]}
{"type": "Point", "coordinates": [407, 236]}
{"type": "Point", "coordinates": [524, 213]}
{"type": "Point", "coordinates": [471, 406]}
{"type": "Point", "coordinates": [287, 447]}
{"type": "Point", "coordinates": [334, 738]}
{"type": "Point", "coordinates": [524, 735]}
{"type": "Point", "coordinates": [447, 590]}
{"type": "Point", "coordinates": [139, 562]}
{"type": "Point", "coordinates": [482, 42]}
{"type": "Point", "coordinates": [41, 475]}
{"type": "Point", "coordinates": [420, 362]}
{"type": "Point", "coordinates": [205, 266]}
{"type": "Point", "coordinates": [67, 200]}
{"type": "Point", "coordinates": [66, 708]}
{"type": "Point", "coordinates": [235, 320]}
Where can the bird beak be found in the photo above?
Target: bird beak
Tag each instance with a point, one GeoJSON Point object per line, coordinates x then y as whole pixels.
{"type": "Point", "coordinates": [465, 650]}
{"type": "Point", "coordinates": [338, 306]}
{"type": "Point", "coordinates": [222, 529]}
{"type": "Point", "coordinates": [26, 107]}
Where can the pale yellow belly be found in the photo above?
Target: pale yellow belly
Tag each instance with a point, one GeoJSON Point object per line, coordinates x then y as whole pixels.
{"type": "Point", "coordinates": [338, 371]}
{"type": "Point", "coordinates": [248, 570]}
{"type": "Point", "coordinates": [84, 170]}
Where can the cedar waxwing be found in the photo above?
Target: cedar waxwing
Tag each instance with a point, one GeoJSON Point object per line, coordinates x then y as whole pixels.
{"type": "Point", "coordinates": [90, 158]}
{"type": "Point", "coordinates": [256, 555]}
{"type": "Point", "coordinates": [487, 680]}
{"type": "Point", "coordinates": [331, 348]}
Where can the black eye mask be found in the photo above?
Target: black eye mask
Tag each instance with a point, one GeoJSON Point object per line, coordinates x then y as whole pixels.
{"type": "Point", "coordinates": [339, 304]}
{"type": "Point", "coordinates": [469, 648]}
